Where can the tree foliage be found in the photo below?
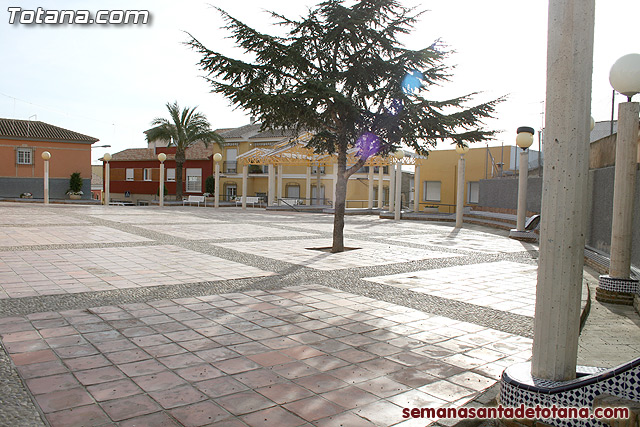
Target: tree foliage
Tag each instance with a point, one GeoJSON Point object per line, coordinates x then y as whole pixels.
{"type": "Point", "coordinates": [184, 128]}
{"type": "Point", "coordinates": [341, 73]}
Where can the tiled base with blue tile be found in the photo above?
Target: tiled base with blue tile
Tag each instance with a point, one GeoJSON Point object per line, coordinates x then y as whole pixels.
{"type": "Point", "coordinates": [518, 387]}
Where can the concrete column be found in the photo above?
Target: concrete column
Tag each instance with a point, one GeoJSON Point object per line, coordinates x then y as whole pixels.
{"type": "Point", "coordinates": [523, 172]}
{"type": "Point", "coordinates": [272, 185]}
{"type": "Point", "coordinates": [46, 182]}
{"type": "Point", "coordinates": [318, 187]}
{"type": "Point", "coordinates": [416, 190]}
{"type": "Point", "coordinates": [245, 178]}
{"type": "Point", "coordinates": [280, 183]}
{"type": "Point", "coordinates": [564, 191]}
{"type": "Point", "coordinates": [216, 187]}
{"type": "Point", "coordinates": [460, 195]}
{"type": "Point", "coordinates": [392, 187]}
{"type": "Point", "coordinates": [380, 187]}
{"type": "Point", "coordinates": [624, 190]}
{"type": "Point", "coordinates": [307, 187]}
{"type": "Point", "coordinates": [370, 180]}
{"type": "Point", "coordinates": [398, 206]}
{"type": "Point", "coordinates": [107, 181]}
{"type": "Point", "coordinates": [161, 192]}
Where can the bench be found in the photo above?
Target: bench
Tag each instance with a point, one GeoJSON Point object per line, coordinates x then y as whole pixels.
{"type": "Point", "coordinates": [250, 199]}
{"type": "Point", "coordinates": [194, 199]}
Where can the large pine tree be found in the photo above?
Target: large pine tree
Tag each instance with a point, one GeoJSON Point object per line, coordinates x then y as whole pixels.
{"type": "Point", "coordinates": [341, 73]}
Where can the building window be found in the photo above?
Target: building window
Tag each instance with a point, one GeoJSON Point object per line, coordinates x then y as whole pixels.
{"type": "Point", "coordinates": [314, 170]}
{"type": "Point", "coordinates": [171, 174]}
{"type": "Point", "coordinates": [146, 175]}
{"type": "Point", "coordinates": [293, 191]}
{"type": "Point", "coordinates": [432, 191]}
{"type": "Point", "coordinates": [24, 156]}
{"type": "Point", "coordinates": [129, 174]}
{"type": "Point", "coordinates": [314, 195]}
{"type": "Point", "coordinates": [194, 180]}
{"type": "Point", "coordinates": [230, 165]}
{"type": "Point", "coordinates": [474, 192]}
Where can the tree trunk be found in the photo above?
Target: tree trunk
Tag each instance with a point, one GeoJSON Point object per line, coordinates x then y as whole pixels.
{"type": "Point", "coordinates": [179, 163]}
{"type": "Point", "coordinates": [341, 196]}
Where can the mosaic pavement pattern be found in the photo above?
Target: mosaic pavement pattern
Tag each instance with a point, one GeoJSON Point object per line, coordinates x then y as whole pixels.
{"type": "Point", "coordinates": [364, 254]}
{"type": "Point", "coordinates": [137, 316]}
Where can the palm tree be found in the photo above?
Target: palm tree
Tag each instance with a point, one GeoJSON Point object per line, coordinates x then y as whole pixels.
{"type": "Point", "coordinates": [184, 128]}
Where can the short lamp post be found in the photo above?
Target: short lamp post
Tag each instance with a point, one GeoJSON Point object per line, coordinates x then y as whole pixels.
{"type": "Point", "coordinates": [161, 157]}
{"type": "Point", "coordinates": [618, 286]}
{"type": "Point", "coordinates": [524, 141]}
{"type": "Point", "coordinates": [216, 192]}
{"type": "Point", "coordinates": [106, 158]}
{"type": "Point", "coordinates": [462, 150]}
{"type": "Point", "coordinates": [46, 156]}
{"type": "Point", "coordinates": [399, 155]}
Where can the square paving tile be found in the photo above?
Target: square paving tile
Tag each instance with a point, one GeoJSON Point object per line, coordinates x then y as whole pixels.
{"type": "Point", "coordinates": [475, 284]}
{"type": "Point", "coordinates": [84, 270]}
{"type": "Point", "coordinates": [137, 374]}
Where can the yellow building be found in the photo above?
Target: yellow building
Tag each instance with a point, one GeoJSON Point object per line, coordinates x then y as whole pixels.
{"type": "Point", "coordinates": [438, 174]}
{"type": "Point", "coordinates": [279, 169]}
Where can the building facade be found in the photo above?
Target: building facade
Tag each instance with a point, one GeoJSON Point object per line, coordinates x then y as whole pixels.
{"type": "Point", "coordinates": [22, 143]}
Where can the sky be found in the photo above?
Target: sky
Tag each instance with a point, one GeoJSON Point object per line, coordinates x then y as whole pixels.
{"type": "Point", "coordinates": [111, 81]}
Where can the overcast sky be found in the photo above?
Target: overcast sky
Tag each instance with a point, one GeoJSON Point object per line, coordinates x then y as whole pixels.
{"type": "Point", "coordinates": [110, 81]}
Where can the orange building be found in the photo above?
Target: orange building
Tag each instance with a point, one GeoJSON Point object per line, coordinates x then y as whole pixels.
{"type": "Point", "coordinates": [22, 143]}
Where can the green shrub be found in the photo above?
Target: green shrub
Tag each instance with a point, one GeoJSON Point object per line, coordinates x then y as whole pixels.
{"type": "Point", "coordinates": [75, 184]}
{"type": "Point", "coordinates": [210, 184]}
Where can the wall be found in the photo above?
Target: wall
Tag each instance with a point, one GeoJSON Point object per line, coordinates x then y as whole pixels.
{"type": "Point", "coordinates": [502, 193]}
{"type": "Point", "coordinates": [601, 209]}
{"type": "Point", "coordinates": [13, 187]}
{"type": "Point", "coordinates": [66, 158]}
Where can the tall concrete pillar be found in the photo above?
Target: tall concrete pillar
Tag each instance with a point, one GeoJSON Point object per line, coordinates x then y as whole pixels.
{"type": "Point", "coordinates": [416, 190]}
{"type": "Point", "coordinates": [280, 182]}
{"type": "Point", "coordinates": [307, 187]}
{"type": "Point", "coordinates": [523, 172]}
{"type": "Point", "coordinates": [564, 192]}
{"type": "Point", "coordinates": [398, 205]}
{"type": "Point", "coordinates": [216, 186]}
{"type": "Point", "coordinates": [245, 176]}
{"type": "Point", "coordinates": [624, 190]}
{"type": "Point", "coordinates": [460, 195]}
{"type": "Point", "coordinates": [380, 187]}
{"type": "Point", "coordinates": [319, 187]}
{"type": "Point", "coordinates": [272, 185]}
{"type": "Point", "coordinates": [370, 181]}
{"type": "Point", "coordinates": [392, 187]}
{"type": "Point", "coordinates": [618, 286]}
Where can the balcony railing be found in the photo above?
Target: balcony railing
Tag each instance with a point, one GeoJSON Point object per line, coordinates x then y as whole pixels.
{"type": "Point", "coordinates": [230, 167]}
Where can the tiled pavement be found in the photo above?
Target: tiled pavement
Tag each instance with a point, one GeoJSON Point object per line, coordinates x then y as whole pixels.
{"type": "Point", "coordinates": [229, 325]}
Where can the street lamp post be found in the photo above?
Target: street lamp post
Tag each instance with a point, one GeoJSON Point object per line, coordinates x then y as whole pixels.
{"type": "Point", "coordinates": [618, 286]}
{"type": "Point", "coordinates": [46, 156]}
{"type": "Point", "coordinates": [398, 202]}
{"type": "Point", "coordinates": [106, 158]}
{"type": "Point", "coordinates": [524, 141]}
{"type": "Point", "coordinates": [216, 196]}
{"type": "Point", "coordinates": [161, 157]}
{"type": "Point", "coordinates": [462, 150]}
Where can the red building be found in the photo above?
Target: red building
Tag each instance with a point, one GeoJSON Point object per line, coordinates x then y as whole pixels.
{"type": "Point", "coordinates": [135, 173]}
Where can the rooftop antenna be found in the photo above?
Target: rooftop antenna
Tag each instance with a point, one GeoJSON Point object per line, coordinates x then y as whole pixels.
{"type": "Point", "coordinates": [29, 122]}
